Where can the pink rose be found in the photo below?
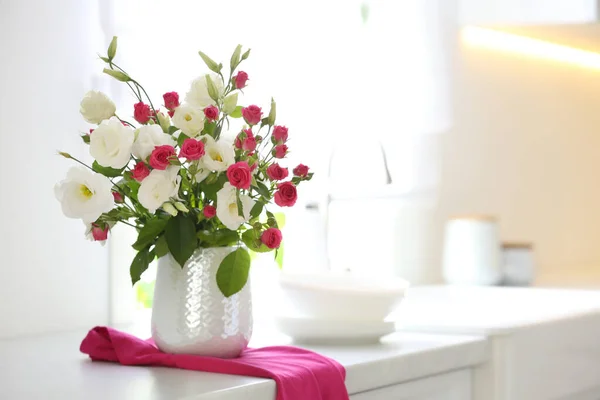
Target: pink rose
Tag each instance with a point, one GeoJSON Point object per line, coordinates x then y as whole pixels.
{"type": "Point", "coordinates": [280, 151]}
{"type": "Point", "coordinates": [171, 100]}
{"type": "Point", "coordinates": [192, 149]}
{"type": "Point", "coordinates": [211, 113]}
{"type": "Point", "coordinates": [271, 238]}
{"type": "Point", "coordinates": [209, 211]}
{"type": "Point", "coordinates": [140, 171]}
{"type": "Point", "coordinates": [141, 112]}
{"type": "Point", "coordinates": [252, 114]}
{"type": "Point", "coordinates": [286, 194]}
{"type": "Point", "coordinates": [98, 233]}
{"type": "Point", "coordinates": [239, 175]}
{"type": "Point", "coordinates": [118, 197]}
{"type": "Point", "coordinates": [240, 80]}
{"type": "Point", "coordinates": [276, 173]}
{"type": "Point", "coordinates": [239, 140]}
{"type": "Point", "coordinates": [249, 143]}
{"type": "Point", "coordinates": [280, 134]}
{"type": "Point", "coordinates": [301, 170]}
{"type": "Point", "coordinates": [159, 158]}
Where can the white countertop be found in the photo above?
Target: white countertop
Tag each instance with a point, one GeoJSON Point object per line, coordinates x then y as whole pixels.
{"type": "Point", "coordinates": [491, 310]}
{"type": "Point", "coordinates": [51, 367]}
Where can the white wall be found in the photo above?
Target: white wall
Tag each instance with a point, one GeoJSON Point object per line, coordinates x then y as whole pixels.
{"type": "Point", "coordinates": [525, 147]}
{"type": "Point", "coordinates": [51, 278]}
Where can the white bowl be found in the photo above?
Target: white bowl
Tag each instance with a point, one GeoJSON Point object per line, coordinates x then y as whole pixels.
{"type": "Point", "coordinates": [343, 297]}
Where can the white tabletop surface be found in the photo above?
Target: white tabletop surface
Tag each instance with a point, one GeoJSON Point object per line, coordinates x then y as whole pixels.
{"type": "Point", "coordinates": [51, 367]}
{"type": "Point", "coordinates": [491, 310]}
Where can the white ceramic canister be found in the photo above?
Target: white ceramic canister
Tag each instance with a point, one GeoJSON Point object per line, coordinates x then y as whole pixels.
{"type": "Point", "coordinates": [472, 253]}
{"type": "Point", "coordinates": [518, 263]}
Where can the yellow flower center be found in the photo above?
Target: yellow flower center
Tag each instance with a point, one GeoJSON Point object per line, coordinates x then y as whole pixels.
{"type": "Point", "coordinates": [85, 192]}
{"type": "Point", "coordinates": [187, 117]}
{"type": "Point", "coordinates": [233, 209]}
{"type": "Point", "coordinates": [215, 155]}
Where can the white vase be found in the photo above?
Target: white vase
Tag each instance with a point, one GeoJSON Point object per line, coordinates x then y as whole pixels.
{"type": "Point", "coordinates": [190, 315]}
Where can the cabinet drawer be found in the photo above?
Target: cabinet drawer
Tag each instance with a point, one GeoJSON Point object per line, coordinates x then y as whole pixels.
{"type": "Point", "coordinates": [451, 386]}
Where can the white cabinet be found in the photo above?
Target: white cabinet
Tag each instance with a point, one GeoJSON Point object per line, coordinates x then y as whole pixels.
{"type": "Point", "coordinates": [451, 386]}
{"type": "Point", "coordinates": [527, 12]}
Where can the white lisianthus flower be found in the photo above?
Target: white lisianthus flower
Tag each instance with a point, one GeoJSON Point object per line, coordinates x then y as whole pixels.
{"type": "Point", "coordinates": [95, 107]}
{"type": "Point", "coordinates": [189, 119]}
{"type": "Point", "coordinates": [227, 209]}
{"type": "Point", "coordinates": [219, 155]}
{"type": "Point", "coordinates": [147, 138]}
{"type": "Point", "coordinates": [198, 95]}
{"type": "Point", "coordinates": [84, 194]}
{"type": "Point", "coordinates": [111, 143]}
{"type": "Point", "coordinates": [159, 187]}
{"type": "Point", "coordinates": [202, 173]}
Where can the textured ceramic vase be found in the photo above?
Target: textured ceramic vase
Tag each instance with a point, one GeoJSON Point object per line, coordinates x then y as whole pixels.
{"type": "Point", "coordinates": [190, 315]}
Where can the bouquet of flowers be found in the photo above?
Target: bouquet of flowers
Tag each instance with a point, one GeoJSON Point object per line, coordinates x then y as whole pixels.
{"type": "Point", "coordinates": [176, 177]}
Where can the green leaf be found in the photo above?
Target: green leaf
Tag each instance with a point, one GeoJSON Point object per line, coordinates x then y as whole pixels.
{"type": "Point", "coordinates": [209, 128]}
{"type": "Point", "coordinates": [232, 274]}
{"type": "Point", "coordinates": [272, 113]}
{"type": "Point", "coordinates": [246, 54]}
{"type": "Point", "coordinates": [263, 190]}
{"type": "Point", "coordinates": [210, 189]}
{"type": "Point", "coordinates": [112, 48]}
{"type": "Point", "coordinates": [149, 232]}
{"type": "Point", "coordinates": [213, 66]}
{"type": "Point", "coordinates": [173, 129]}
{"type": "Point", "coordinates": [271, 218]}
{"type": "Point", "coordinates": [238, 202]}
{"type": "Point", "coordinates": [279, 256]}
{"type": "Point", "coordinates": [257, 209]}
{"type": "Point", "coordinates": [264, 121]}
{"type": "Point", "coordinates": [105, 59]}
{"type": "Point", "coordinates": [235, 58]}
{"type": "Point", "coordinates": [86, 139]}
{"type": "Point", "coordinates": [118, 75]}
{"type": "Point", "coordinates": [181, 138]}
{"type": "Point", "coordinates": [220, 237]}
{"type": "Point", "coordinates": [139, 265]}
{"type": "Point", "coordinates": [251, 240]}
{"type": "Point", "coordinates": [107, 171]}
{"type": "Point", "coordinates": [161, 248]}
{"type": "Point", "coordinates": [181, 238]}
{"type": "Point", "coordinates": [236, 113]}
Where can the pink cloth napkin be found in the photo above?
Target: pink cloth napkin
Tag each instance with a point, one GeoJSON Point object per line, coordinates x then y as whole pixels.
{"type": "Point", "coordinates": [299, 374]}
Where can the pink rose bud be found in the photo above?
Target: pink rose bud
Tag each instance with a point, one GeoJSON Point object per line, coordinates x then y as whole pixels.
{"type": "Point", "coordinates": [240, 80]}
{"type": "Point", "coordinates": [241, 137]}
{"type": "Point", "coordinates": [140, 171]}
{"type": "Point", "coordinates": [239, 175]}
{"type": "Point", "coordinates": [249, 144]}
{"type": "Point", "coordinates": [286, 194]}
{"type": "Point", "coordinates": [252, 114]}
{"type": "Point", "coordinates": [301, 170]}
{"type": "Point", "coordinates": [142, 112]}
{"type": "Point", "coordinates": [280, 134]}
{"type": "Point", "coordinates": [192, 149]}
{"type": "Point", "coordinates": [171, 100]}
{"type": "Point", "coordinates": [98, 233]}
{"type": "Point", "coordinates": [209, 211]}
{"type": "Point", "coordinates": [118, 197]}
{"type": "Point", "coordinates": [160, 156]}
{"type": "Point", "coordinates": [171, 113]}
{"type": "Point", "coordinates": [280, 151]}
{"type": "Point", "coordinates": [276, 173]}
{"type": "Point", "coordinates": [91, 131]}
{"type": "Point", "coordinates": [253, 166]}
{"type": "Point", "coordinates": [271, 238]}
{"type": "Point", "coordinates": [211, 113]}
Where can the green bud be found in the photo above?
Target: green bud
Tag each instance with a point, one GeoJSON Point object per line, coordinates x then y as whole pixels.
{"type": "Point", "coordinates": [213, 66]}
{"type": "Point", "coordinates": [235, 57]}
{"type": "Point", "coordinates": [258, 138]}
{"type": "Point", "coordinates": [112, 48]}
{"type": "Point", "coordinates": [164, 121]}
{"type": "Point", "coordinates": [118, 75]}
{"type": "Point", "coordinates": [246, 54]}
{"type": "Point", "coordinates": [181, 207]}
{"type": "Point", "coordinates": [168, 207]}
{"type": "Point", "coordinates": [257, 226]}
{"type": "Point", "coordinates": [65, 155]}
{"type": "Point", "coordinates": [272, 113]}
{"type": "Point", "coordinates": [272, 222]}
{"type": "Point", "coordinates": [212, 89]}
{"type": "Point", "coordinates": [230, 103]}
